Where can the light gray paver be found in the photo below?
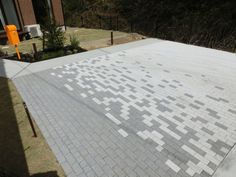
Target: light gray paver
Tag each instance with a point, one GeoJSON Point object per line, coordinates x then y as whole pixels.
{"type": "Point", "coordinates": [123, 133]}
{"type": "Point", "coordinates": [144, 111]}
{"type": "Point", "coordinates": [172, 165]}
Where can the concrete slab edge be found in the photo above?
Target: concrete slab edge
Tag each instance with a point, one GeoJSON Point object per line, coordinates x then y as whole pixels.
{"type": "Point", "coordinates": [44, 65]}
{"type": "Point", "coordinates": [227, 167]}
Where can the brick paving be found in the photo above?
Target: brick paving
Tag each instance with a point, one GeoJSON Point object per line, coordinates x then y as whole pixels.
{"type": "Point", "coordinates": [161, 110]}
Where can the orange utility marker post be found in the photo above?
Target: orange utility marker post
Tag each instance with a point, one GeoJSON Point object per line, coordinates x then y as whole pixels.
{"type": "Point", "coordinates": [13, 37]}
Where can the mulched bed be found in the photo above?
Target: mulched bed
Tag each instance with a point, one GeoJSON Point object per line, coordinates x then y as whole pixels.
{"type": "Point", "coordinates": [43, 55]}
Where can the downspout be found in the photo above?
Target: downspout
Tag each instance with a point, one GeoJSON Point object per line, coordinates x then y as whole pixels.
{"type": "Point", "coordinates": [63, 13]}
{"type": "Point", "coordinates": [51, 10]}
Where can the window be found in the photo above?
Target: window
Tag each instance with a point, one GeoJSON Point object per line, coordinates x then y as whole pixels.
{"type": "Point", "coordinates": [8, 15]}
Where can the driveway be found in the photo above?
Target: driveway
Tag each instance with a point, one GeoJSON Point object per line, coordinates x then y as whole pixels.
{"type": "Point", "coordinates": [160, 109]}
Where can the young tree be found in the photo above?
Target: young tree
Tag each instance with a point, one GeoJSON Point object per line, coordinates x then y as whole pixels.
{"type": "Point", "coordinates": [53, 36]}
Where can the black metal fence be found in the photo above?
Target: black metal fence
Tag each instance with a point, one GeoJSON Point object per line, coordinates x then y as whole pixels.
{"type": "Point", "coordinates": [110, 22]}
{"type": "Point", "coordinates": [103, 21]}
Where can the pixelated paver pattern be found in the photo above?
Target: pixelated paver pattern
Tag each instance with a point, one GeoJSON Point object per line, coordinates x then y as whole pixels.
{"type": "Point", "coordinates": [138, 112]}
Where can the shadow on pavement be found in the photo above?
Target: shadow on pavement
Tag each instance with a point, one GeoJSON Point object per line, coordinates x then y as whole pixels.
{"type": "Point", "coordinates": [13, 162]}
{"type": "Point", "coordinates": [11, 149]}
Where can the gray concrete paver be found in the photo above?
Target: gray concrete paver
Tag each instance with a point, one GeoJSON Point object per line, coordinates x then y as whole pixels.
{"type": "Point", "coordinates": [108, 115]}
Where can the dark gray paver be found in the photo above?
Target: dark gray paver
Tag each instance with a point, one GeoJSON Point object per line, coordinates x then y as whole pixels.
{"type": "Point", "coordinates": [101, 120]}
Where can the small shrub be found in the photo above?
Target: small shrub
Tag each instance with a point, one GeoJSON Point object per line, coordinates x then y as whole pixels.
{"type": "Point", "coordinates": [74, 41]}
{"type": "Point", "coordinates": [53, 36]}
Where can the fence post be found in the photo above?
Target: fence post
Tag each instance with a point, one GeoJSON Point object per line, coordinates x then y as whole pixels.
{"type": "Point", "coordinates": [110, 22]}
{"type": "Point", "coordinates": [35, 51]}
{"type": "Point", "coordinates": [117, 23]}
{"type": "Point", "coordinates": [100, 21]}
{"type": "Point", "coordinates": [156, 27]}
{"type": "Point", "coordinates": [82, 20]}
{"type": "Point", "coordinates": [131, 27]}
{"type": "Point", "coordinates": [112, 40]}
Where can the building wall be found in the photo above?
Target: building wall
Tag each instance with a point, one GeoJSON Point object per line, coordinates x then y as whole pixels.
{"type": "Point", "coordinates": [19, 14]}
{"type": "Point", "coordinates": [57, 11]}
{"type": "Point", "coordinates": [27, 12]}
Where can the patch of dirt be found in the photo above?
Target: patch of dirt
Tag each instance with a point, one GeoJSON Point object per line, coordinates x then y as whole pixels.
{"type": "Point", "coordinates": [91, 45]}
{"type": "Point", "coordinates": [22, 154]}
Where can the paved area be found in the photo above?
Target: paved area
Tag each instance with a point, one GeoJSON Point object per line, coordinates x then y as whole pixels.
{"type": "Point", "coordinates": [228, 167]}
{"type": "Point", "coordinates": [161, 109]}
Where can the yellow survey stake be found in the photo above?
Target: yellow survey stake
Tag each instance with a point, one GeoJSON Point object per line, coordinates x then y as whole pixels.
{"type": "Point", "coordinates": [13, 37]}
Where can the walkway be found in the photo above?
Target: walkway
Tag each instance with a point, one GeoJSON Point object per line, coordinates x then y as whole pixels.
{"type": "Point", "coordinates": [149, 108]}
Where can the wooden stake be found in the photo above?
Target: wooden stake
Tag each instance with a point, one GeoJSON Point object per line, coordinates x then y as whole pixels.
{"type": "Point", "coordinates": [35, 51]}
{"type": "Point", "coordinates": [30, 120]}
{"type": "Point", "coordinates": [112, 41]}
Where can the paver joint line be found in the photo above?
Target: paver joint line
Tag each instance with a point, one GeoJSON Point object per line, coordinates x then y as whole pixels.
{"type": "Point", "coordinates": [137, 107]}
